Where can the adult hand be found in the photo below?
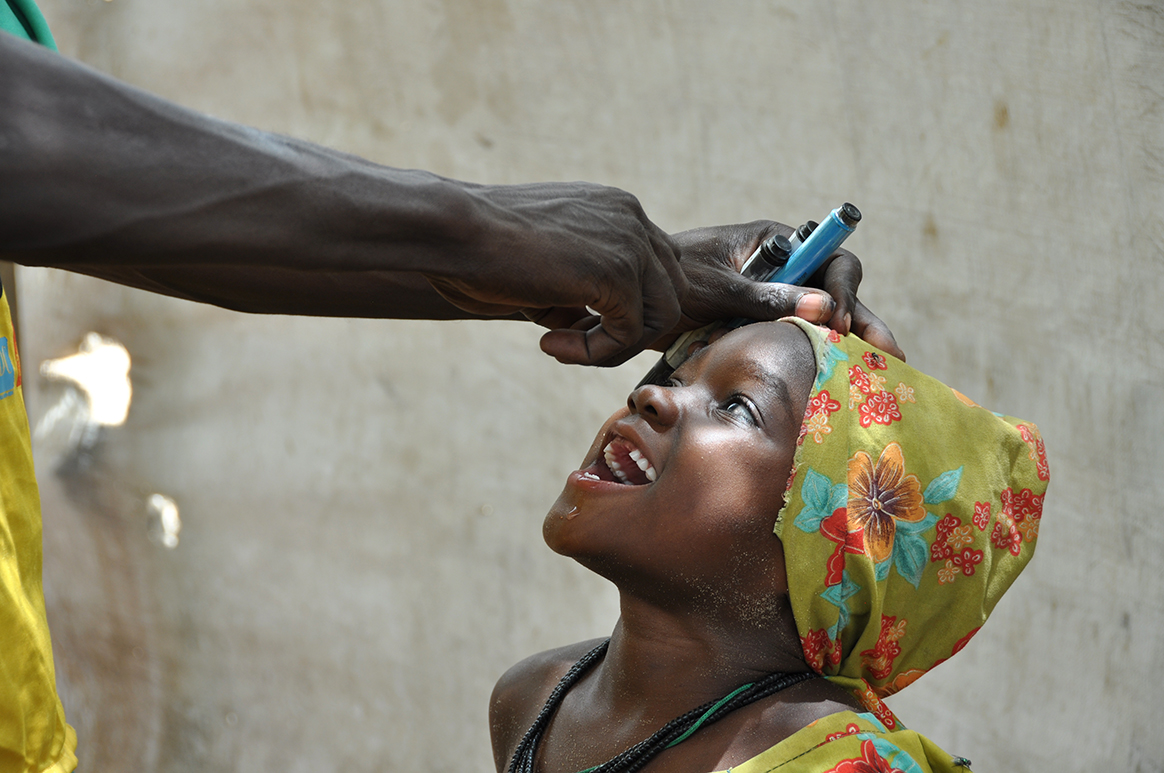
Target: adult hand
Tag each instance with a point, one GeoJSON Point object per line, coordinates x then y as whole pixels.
{"type": "Point", "coordinates": [550, 250]}
{"type": "Point", "coordinates": [712, 258]}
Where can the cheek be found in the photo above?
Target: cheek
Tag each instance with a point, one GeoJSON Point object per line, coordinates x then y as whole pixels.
{"type": "Point", "coordinates": [742, 494]}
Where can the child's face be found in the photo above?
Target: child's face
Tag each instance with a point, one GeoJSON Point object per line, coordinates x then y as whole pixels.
{"type": "Point", "coordinates": [716, 449]}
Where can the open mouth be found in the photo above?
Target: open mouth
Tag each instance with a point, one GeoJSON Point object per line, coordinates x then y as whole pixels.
{"type": "Point", "coordinates": [624, 463]}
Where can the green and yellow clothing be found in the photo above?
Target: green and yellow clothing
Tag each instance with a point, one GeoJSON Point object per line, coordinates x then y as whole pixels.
{"type": "Point", "coordinates": [852, 743]}
{"type": "Point", "coordinates": [34, 737]}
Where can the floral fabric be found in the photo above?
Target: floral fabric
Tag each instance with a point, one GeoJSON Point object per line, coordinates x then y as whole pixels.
{"type": "Point", "coordinates": [853, 743]}
{"type": "Point", "coordinates": [909, 512]}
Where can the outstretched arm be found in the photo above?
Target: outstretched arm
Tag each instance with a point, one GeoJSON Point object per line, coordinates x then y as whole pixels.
{"type": "Point", "coordinates": [99, 177]}
{"type": "Point", "coordinates": [104, 179]}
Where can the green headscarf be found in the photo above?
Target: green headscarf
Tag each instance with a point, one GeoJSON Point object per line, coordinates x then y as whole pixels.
{"type": "Point", "coordinates": [909, 512]}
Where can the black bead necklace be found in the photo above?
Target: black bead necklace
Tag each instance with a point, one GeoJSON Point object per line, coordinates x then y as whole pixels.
{"type": "Point", "coordinates": [674, 732]}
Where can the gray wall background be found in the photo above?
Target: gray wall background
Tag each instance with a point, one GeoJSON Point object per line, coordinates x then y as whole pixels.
{"type": "Point", "coordinates": [360, 555]}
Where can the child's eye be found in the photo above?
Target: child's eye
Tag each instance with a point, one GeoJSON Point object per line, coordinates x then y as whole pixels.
{"type": "Point", "coordinates": [742, 409]}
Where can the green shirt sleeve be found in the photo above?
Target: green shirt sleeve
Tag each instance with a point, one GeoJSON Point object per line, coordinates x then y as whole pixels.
{"type": "Point", "coordinates": [24, 20]}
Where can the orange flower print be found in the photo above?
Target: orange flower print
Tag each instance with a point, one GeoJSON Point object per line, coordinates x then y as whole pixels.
{"type": "Point", "coordinates": [942, 548]}
{"type": "Point", "coordinates": [820, 650]}
{"type": "Point", "coordinates": [965, 399]}
{"type": "Point", "coordinates": [905, 393]}
{"type": "Point", "coordinates": [879, 408]}
{"type": "Point", "coordinates": [879, 660]}
{"type": "Point", "coordinates": [854, 396]}
{"type": "Point", "coordinates": [816, 416]}
{"type": "Point", "coordinates": [947, 573]}
{"type": "Point", "coordinates": [875, 361]}
{"type": "Point", "coordinates": [880, 495]}
{"type": "Point", "coordinates": [1019, 520]}
{"type": "Point", "coordinates": [818, 426]}
{"type": "Point", "coordinates": [876, 383]}
{"type": "Point", "coordinates": [959, 537]}
{"type": "Point", "coordinates": [901, 681]}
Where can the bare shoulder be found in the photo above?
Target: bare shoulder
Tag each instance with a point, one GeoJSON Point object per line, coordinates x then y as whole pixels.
{"type": "Point", "coordinates": [521, 692]}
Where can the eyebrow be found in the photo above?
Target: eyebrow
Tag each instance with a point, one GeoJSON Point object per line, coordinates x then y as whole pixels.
{"type": "Point", "coordinates": [773, 383]}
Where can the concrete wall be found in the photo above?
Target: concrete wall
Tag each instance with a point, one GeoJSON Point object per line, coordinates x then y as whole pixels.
{"type": "Point", "coordinates": [360, 554]}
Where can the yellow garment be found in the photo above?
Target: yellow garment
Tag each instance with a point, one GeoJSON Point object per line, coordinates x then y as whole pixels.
{"type": "Point", "coordinates": [852, 743]}
{"type": "Point", "coordinates": [33, 734]}
{"type": "Point", "coordinates": [910, 511]}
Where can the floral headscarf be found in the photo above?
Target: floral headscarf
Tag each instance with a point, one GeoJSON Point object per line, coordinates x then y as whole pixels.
{"type": "Point", "coordinates": [909, 512]}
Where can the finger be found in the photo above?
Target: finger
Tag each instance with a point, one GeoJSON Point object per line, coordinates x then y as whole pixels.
{"type": "Point", "coordinates": [620, 336]}
{"type": "Point", "coordinates": [842, 277]}
{"type": "Point", "coordinates": [764, 301]}
{"type": "Point", "coordinates": [620, 329]}
{"type": "Point", "coordinates": [869, 327]}
{"type": "Point", "coordinates": [557, 317]}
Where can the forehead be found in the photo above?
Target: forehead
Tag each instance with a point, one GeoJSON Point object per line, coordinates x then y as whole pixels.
{"type": "Point", "coordinates": [774, 355]}
{"type": "Point", "coordinates": [763, 349]}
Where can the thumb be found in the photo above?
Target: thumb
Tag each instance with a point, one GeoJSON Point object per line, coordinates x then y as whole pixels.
{"type": "Point", "coordinates": [765, 301]}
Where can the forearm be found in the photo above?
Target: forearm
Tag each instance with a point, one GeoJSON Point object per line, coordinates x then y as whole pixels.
{"type": "Point", "coordinates": [372, 294]}
{"type": "Point", "coordinates": [100, 177]}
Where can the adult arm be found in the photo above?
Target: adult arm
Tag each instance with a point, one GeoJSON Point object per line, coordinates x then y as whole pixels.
{"type": "Point", "coordinates": [102, 178]}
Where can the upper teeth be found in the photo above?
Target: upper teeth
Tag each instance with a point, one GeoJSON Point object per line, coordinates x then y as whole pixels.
{"type": "Point", "coordinates": [636, 455]}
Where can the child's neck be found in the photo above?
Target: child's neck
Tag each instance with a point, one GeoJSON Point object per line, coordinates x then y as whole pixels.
{"type": "Point", "coordinates": [676, 661]}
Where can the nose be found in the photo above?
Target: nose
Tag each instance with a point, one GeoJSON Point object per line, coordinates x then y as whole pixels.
{"type": "Point", "coordinates": [656, 404]}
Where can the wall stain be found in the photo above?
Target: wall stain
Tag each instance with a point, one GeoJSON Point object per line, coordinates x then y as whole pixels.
{"type": "Point", "coordinates": [1001, 115]}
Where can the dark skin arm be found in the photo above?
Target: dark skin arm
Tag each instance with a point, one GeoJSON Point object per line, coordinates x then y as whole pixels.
{"type": "Point", "coordinates": [104, 179]}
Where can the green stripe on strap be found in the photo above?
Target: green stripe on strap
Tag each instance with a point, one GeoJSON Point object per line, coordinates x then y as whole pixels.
{"type": "Point", "coordinates": [24, 20]}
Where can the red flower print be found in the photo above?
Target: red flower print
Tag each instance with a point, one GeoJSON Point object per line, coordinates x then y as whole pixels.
{"type": "Point", "coordinates": [836, 529]}
{"type": "Point", "coordinates": [854, 396]}
{"type": "Point", "coordinates": [820, 650]}
{"type": "Point", "coordinates": [981, 515]}
{"type": "Point", "coordinates": [967, 560]}
{"type": "Point", "coordinates": [1038, 451]}
{"type": "Point", "coordinates": [963, 641]}
{"type": "Point", "coordinates": [816, 416]}
{"type": "Point", "coordinates": [822, 402]}
{"type": "Point", "coordinates": [834, 337]}
{"type": "Point", "coordinates": [869, 762]}
{"type": "Point", "coordinates": [851, 729]}
{"type": "Point", "coordinates": [879, 660]}
{"type": "Point", "coordinates": [879, 408]}
{"type": "Point", "coordinates": [1023, 505]}
{"type": "Point", "coordinates": [875, 361]}
{"type": "Point", "coordinates": [859, 378]}
{"type": "Point", "coordinates": [1006, 536]}
{"type": "Point", "coordinates": [958, 646]}
{"type": "Point", "coordinates": [880, 495]}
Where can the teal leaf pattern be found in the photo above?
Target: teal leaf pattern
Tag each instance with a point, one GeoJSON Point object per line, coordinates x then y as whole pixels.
{"type": "Point", "coordinates": [832, 355]}
{"type": "Point", "coordinates": [821, 498]}
{"type": "Point", "coordinates": [944, 487]}
{"type": "Point", "coordinates": [910, 555]}
{"type": "Point", "coordinates": [838, 595]}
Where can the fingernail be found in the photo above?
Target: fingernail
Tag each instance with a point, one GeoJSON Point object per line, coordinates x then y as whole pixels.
{"type": "Point", "coordinates": [814, 306]}
{"type": "Point", "coordinates": [848, 323]}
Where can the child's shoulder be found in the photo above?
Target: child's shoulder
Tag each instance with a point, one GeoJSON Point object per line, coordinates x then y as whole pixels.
{"type": "Point", "coordinates": [521, 692]}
